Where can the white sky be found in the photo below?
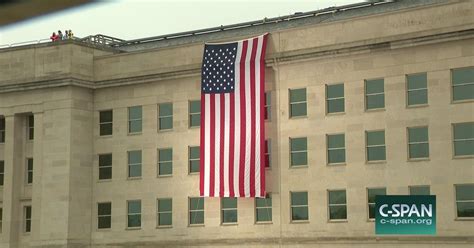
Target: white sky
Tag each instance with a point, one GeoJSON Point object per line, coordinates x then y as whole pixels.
{"type": "Point", "coordinates": [133, 19]}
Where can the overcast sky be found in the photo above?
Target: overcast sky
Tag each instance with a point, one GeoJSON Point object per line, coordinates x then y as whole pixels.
{"type": "Point", "coordinates": [133, 19]}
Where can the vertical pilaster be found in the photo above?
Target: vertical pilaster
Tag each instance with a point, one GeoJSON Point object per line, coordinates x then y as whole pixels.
{"type": "Point", "coordinates": [37, 177]}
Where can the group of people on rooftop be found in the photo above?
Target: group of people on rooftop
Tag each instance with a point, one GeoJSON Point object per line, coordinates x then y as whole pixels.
{"type": "Point", "coordinates": [60, 36]}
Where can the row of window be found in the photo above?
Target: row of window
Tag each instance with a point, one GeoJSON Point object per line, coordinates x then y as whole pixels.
{"type": "Point", "coordinates": [30, 128]}
{"type": "Point", "coordinates": [26, 219]}
{"type": "Point", "coordinates": [299, 206]}
{"type": "Point", "coordinates": [28, 174]}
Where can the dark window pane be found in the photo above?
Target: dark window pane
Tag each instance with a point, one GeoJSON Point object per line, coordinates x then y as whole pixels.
{"type": "Point", "coordinates": [417, 81]}
{"type": "Point", "coordinates": [375, 101]}
{"type": "Point", "coordinates": [465, 192]}
{"type": "Point", "coordinates": [372, 211]}
{"type": "Point", "coordinates": [165, 205]}
{"type": "Point", "coordinates": [463, 148]}
{"type": "Point", "coordinates": [165, 154]}
{"type": "Point", "coordinates": [135, 126]}
{"type": "Point", "coordinates": [263, 202]}
{"type": "Point", "coordinates": [299, 213]}
{"type": "Point", "coordinates": [165, 219]}
{"type": "Point", "coordinates": [417, 97]}
{"type": "Point", "coordinates": [336, 90]}
{"type": "Point", "coordinates": [300, 158]}
{"type": "Point", "coordinates": [196, 218]}
{"type": "Point", "coordinates": [336, 141]}
{"type": "Point", "coordinates": [28, 212]}
{"type": "Point", "coordinates": [135, 113]}
{"type": "Point", "coordinates": [463, 76]}
{"type": "Point", "coordinates": [104, 208]}
{"type": "Point", "coordinates": [464, 131]}
{"type": "Point", "coordinates": [299, 198]}
{"type": "Point", "coordinates": [31, 133]}
{"type": "Point", "coordinates": [195, 120]}
{"type": "Point", "coordinates": [194, 166]}
{"type": "Point", "coordinates": [134, 157]}
{"type": "Point", "coordinates": [337, 156]}
{"type": "Point", "coordinates": [135, 171]}
{"type": "Point", "coordinates": [1, 179]}
{"type": "Point", "coordinates": [465, 209]}
{"type": "Point", "coordinates": [297, 95]}
{"type": "Point", "coordinates": [194, 152]}
{"type": "Point", "coordinates": [373, 192]}
{"type": "Point", "coordinates": [28, 226]}
{"type": "Point", "coordinates": [229, 202]}
{"type": "Point", "coordinates": [134, 207]}
{"type": "Point", "coordinates": [374, 86]}
{"type": "Point", "coordinates": [419, 150]}
{"type": "Point", "coordinates": [104, 222]}
{"type": "Point", "coordinates": [194, 106]}
{"type": "Point", "coordinates": [105, 173]}
{"type": "Point", "coordinates": [106, 129]}
{"type": "Point", "coordinates": [105, 160]}
{"type": "Point", "coordinates": [229, 216]}
{"type": "Point", "coordinates": [166, 123]}
{"type": "Point", "coordinates": [298, 144]}
{"type": "Point", "coordinates": [106, 116]}
{"type": "Point", "coordinates": [376, 153]}
{"type": "Point", "coordinates": [376, 138]}
{"type": "Point", "coordinates": [166, 109]}
{"type": "Point", "coordinates": [2, 123]}
{"type": "Point", "coordinates": [166, 168]}
{"type": "Point", "coordinates": [134, 220]}
{"type": "Point", "coordinates": [335, 106]}
{"type": "Point", "coordinates": [337, 212]}
{"type": "Point", "coordinates": [463, 92]}
{"type": "Point", "coordinates": [298, 109]}
{"type": "Point", "coordinates": [264, 214]}
{"type": "Point", "coordinates": [418, 134]}
{"type": "Point", "coordinates": [196, 203]}
{"type": "Point", "coordinates": [337, 197]}
{"type": "Point", "coordinates": [30, 164]}
{"type": "Point", "coordinates": [420, 190]}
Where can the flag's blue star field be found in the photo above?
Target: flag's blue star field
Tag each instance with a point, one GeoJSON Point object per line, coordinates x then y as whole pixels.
{"type": "Point", "coordinates": [218, 68]}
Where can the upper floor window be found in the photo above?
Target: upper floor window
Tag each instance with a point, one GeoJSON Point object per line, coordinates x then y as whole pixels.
{"type": "Point", "coordinates": [134, 213]}
{"type": "Point", "coordinates": [229, 210]}
{"type": "Point", "coordinates": [417, 89]}
{"type": "Point", "coordinates": [374, 94]}
{"type": "Point", "coordinates": [298, 102]}
{"type": "Point", "coordinates": [268, 100]}
{"type": "Point", "coordinates": [134, 163]}
{"type": "Point", "coordinates": [465, 200]}
{"type": "Point", "coordinates": [299, 206]}
{"type": "Point", "coordinates": [462, 80]}
{"type": "Point", "coordinates": [135, 119]}
{"type": "Point", "coordinates": [298, 151]}
{"type": "Point", "coordinates": [263, 209]}
{"type": "Point", "coordinates": [105, 166]}
{"type": "Point", "coordinates": [419, 190]}
{"type": "Point", "coordinates": [194, 159]}
{"type": "Point", "coordinates": [335, 98]}
{"type": "Point", "coordinates": [337, 205]}
{"type": "Point", "coordinates": [31, 127]}
{"type": "Point", "coordinates": [336, 148]}
{"type": "Point", "coordinates": [418, 146]}
{"type": "Point", "coordinates": [375, 149]}
{"type": "Point", "coordinates": [27, 219]}
{"type": "Point", "coordinates": [1, 219]}
{"type": "Point", "coordinates": [196, 210]}
{"type": "Point", "coordinates": [2, 172]}
{"type": "Point", "coordinates": [165, 116]}
{"type": "Point", "coordinates": [2, 130]}
{"type": "Point", "coordinates": [105, 122]}
{"type": "Point", "coordinates": [165, 162]}
{"type": "Point", "coordinates": [195, 113]}
{"type": "Point", "coordinates": [104, 215]}
{"type": "Point", "coordinates": [267, 153]}
{"type": "Point", "coordinates": [463, 139]}
{"type": "Point", "coordinates": [371, 193]}
{"type": "Point", "coordinates": [29, 171]}
{"type": "Point", "coordinates": [165, 212]}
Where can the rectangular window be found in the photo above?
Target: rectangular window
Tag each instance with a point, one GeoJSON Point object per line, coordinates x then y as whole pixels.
{"type": "Point", "coordinates": [165, 212]}
{"type": "Point", "coordinates": [336, 148]}
{"type": "Point", "coordinates": [465, 201]}
{"type": "Point", "coordinates": [31, 127]}
{"type": "Point", "coordinates": [337, 205]}
{"type": "Point", "coordinates": [104, 215]}
{"type": "Point", "coordinates": [418, 146]}
{"type": "Point", "coordinates": [268, 149]}
{"type": "Point", "coordinates": [419, 190]}
{"type": "Point", "coordinates": [27, 220]}
{"type": "Point", "coordinates": [1, 220]}
{"type": "Point", "coordinates": [268, 100]}
{"type": "Point", "coordinates": [165, 162]}
{"type": "Point", "coordinates": [196, 211]}
{"type": "Point", "coordinates": [299, 206]}
{"type": "Point", "coordinates": [298, 152]}
{"type": "Point", "coordinates": [105, 122]}
{"type": "Point", "coordinates": [105, 166]}
{"type": "Point", "coordinates": [417, 89]}
{"type": "Point", "coordinates": [298, 102]}
{"type": "Point", "coordinates": [165, 116]}
{"type": "Point", "coordinates": [335, 98]}
{"type": "Point", "coordinates": [194, 113]}
{"type": "Point", "coordinates": [2, 130]}
{"type": "Point", "coordinates": [134, 213]}
{"type": "Point", "coordinates": [229, 210]}
{"type": "Point", "coordinates": [194, 159]}
{"type": "Point", "coordinates": [375, 149]}
{"type": "Point", "coordinates": [374, 94]}
{"type": "Point", "coordinates": [463, 139]}
{"type": "Point", "coordinates": [463, 83]}
{"type": "Point", "coordinates": [2, 172]}
{"type": "Point", "coordinates": [371, 193]}
{"type": "Point", "coordinates": [29, 171]}
{"type": "Point", "coordinates": [263, 209]}
{"type": "Point", "coordinates": [134, 163]}
{"type": "Point", "coordinates": [135, 119]}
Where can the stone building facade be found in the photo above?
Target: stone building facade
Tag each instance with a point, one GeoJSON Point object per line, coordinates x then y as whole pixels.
{"type": "Point", "coordinates": [377, 99]}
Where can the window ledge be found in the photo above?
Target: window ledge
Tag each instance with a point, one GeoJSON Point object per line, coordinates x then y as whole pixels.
{"type": "Point", "coordinates": [134, 134]}
{"type": "Point", "coordinates": [195, 225]}
{"type": "Point", "coordinates": [335, 113]}
{"type": "Point", "coordinates": [134, 178]}
{"type": "Point", "coordinates": [463, 157]}
{"type": "Point", "coordinates": [263, 222]}
{"type": "Point", "coordinates": [338, 221]}
{"type": "Point", "coordinates": [375, 110]}
{"type": "Point", "coordinates": [336, 164]}
{"type": "Point", "coordinates": [418, 159]}
{"type": "Point", "coordinates": [229, 224]}
{"type": "Point", "coordinates": [376, 162]}
{"type": "Point", "coordinates": [133, 228]}
{"type": "Point", "coordinates": [464, 219]}
{"type": "Point", "coordinates": [164, 227]}
{"type": "Point", "coordinates": [105, 136]}
{"type": "Point", "coordinates": [298, 117]}
{"type": "Point", "coordinates": [424, 105]}
{"type": "Point", "coordinates": [104, 180]}
{"type": "Point", "coordinates": [298, 166]}
{"type": "Point", "coordinates": [299, 222]}
{"type": "Point", "coordinates": [103, 229]}
{"type": "Point", "coordinates": [164, 176]}
{"type": "Point", "coordinates": [193, 173]}
{"type": "Point", "coordinates": [165, 130]}
{"type": "Point", "coordinates": [370, 220]}
{"type": "Point", "coordinates": [461, 101]}
{"type": "Point", "coordinates": [195, 127]}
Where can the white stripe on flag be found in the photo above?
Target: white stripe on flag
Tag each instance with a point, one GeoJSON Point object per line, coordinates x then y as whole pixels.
{"type": "Point", "coordinates": [237, 119]}
{"type": "Point", "coordinates": [207, 149]}
{"type": "Point", "coordinates": [248, 118]}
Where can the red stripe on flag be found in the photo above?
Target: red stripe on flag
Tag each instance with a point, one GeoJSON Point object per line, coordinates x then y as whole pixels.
{"type": "Point", "coordinates": [221, 148]}
{"type": "Point", "coordinates": [253, 115]}
{"type": "Point", "coordinates": [231, 145]}
{"type": "Point", "coordinates": [243, 111]}
{"type": "Point", "coordinates": [212, 148]}
{"type": "Point", "coordinates": [202, 145]}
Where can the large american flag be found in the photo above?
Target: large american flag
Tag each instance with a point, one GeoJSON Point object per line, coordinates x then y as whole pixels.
{"type": "Point", "coordinates": [232, 119]}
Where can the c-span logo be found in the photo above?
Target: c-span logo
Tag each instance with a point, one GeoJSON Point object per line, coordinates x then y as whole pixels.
{"type": "Point", "coordinates": [405, 214]}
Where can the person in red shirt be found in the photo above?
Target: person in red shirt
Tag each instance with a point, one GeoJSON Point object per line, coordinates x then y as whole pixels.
{"type": "Point", "coordinates": [54, 37]}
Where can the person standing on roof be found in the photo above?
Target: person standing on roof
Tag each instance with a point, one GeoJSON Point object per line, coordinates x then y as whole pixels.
{"type": "Point", "coordinates": [60, 34]}
{"type": "Point", "coordinates": [70, 34]}
{"type": "Point", "coordinates": [54, 37]}
{"type": "Point", "coordinates": [66, 35]}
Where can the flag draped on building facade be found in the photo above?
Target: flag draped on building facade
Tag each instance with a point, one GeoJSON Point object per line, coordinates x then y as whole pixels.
{"type": "Point", "coordinates": [232, 119]}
